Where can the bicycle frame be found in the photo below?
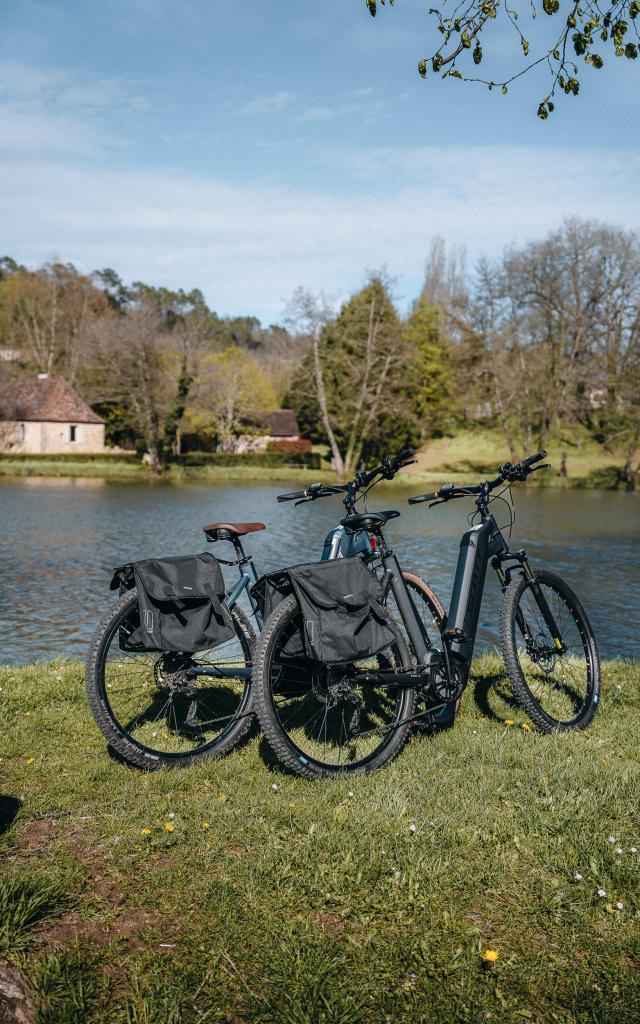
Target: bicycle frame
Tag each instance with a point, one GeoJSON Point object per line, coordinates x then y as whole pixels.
{"type": "Point", "coordinates": [482, 544]}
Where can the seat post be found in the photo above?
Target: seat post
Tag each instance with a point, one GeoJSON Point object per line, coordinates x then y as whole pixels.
{"type": "Point", "coordinates": [239, 550]}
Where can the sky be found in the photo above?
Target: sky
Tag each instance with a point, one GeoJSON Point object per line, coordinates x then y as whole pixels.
{"type": "Point", "coordinates": [248, 147]}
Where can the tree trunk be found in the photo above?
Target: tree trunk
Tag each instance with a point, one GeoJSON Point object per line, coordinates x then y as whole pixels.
{"type": "Point", "coordinates": [338, 461]}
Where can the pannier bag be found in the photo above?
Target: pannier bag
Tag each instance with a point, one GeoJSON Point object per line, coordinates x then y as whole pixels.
{"type": "Point", "coordinates": [342, 616]}
{"type": "Point", "coordinates": [268, 592]}
{"type": "Point", "coordinates": [181, 601]}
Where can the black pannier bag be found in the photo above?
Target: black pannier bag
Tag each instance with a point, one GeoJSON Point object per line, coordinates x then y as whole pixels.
{"type": "Point", "coordinates": [268, 592]}
{"type": "Point", "coordinates": [343, 618]}
{"type": "Point", "coordinates": [181, 601]}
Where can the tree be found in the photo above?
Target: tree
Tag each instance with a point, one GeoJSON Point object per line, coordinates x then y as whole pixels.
{"type": "Point", "coordinates": [49, 313]}
{"type": "Point", "coordinates": [581, 34]}
{"type": "Point", "coordinates": [560, 323]}
{"type": "Point", "coordinates": [135, 367]}
{"type": "Point", "coordinates": [229, 391]}
{"type": "Point", "coordinates": [353, 381]}
{"type": "Point", "coordinates": [428, 373]}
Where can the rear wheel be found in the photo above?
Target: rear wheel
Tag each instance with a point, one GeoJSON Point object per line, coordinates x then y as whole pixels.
{"type": "Point", "coordinates": [317, 718]}
{"type": "Point", "coordinates": [166, 709]}
{"type": "Point", "coordinates": [558, 688]}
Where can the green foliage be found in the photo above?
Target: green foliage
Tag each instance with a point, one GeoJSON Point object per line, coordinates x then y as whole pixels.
{"type": "Point", "coordinates": [268, 459]}
{"type": "Point", "coordinates": [363, 353]}
{"type": "Point", "coordinates": [464, 27]}
{"type": "Point", "coordinates": [428, 374]}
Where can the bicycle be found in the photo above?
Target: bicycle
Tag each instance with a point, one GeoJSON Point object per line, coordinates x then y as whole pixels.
{"type": "Point", "coordinates": [357, 716]}
{"type": "Point", "coordinates": [166, 709]}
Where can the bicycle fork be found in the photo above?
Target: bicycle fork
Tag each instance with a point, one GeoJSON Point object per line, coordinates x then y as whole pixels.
{"type": "Point", "coordinates": [505, 578]}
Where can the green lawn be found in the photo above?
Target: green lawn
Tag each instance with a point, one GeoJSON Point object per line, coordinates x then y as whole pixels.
{"type": "Point", "coordinates": [233, 892]}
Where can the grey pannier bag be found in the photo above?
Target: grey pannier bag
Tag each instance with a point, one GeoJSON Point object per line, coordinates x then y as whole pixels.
{"type": "Point", "coordinates": [181, 601]}
{"type": "Point", "coordinates": [343, 618]}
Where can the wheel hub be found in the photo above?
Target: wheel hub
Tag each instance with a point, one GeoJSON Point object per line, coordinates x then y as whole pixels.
{"type": "Point", "coordinates": [171, 672]}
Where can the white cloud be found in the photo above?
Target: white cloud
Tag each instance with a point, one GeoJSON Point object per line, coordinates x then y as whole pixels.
{"type": "Point", "coordinates": [247, 246]}
{"type": "Point", "coordinates": [272, 104]}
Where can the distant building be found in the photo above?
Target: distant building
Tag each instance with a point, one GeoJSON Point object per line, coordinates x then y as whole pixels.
{"type": "Point", "coordinates": [284, 425]}
{"type": "Point", "coordinates": [283, 431]}
{"type": "Point", "coordinates": [45, 415]}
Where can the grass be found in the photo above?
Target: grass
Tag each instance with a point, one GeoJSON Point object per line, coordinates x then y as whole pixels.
{"type": "Point", "coordinates": [274, 899]}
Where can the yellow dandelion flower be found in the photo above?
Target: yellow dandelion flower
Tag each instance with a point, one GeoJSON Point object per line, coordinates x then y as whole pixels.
{"type": "Point", "coordinates": [222, 798]}
{"type": "Point", "coordinates": [509, 721]}
{"type": "Point", "coordinates": [525, 726]}
{"type": "Point", "coordinates": [204, 826]}
{"type": "Point", "coordinates": [291, 807]}
{"type": "Point", "coordinates": [490, 956]}
{"type": "Point", "coordinates": [169, 826]}
{"type": "Point", "coordinates": [30, 760]}
{"type": "Point", "coordinates": [145, 831]}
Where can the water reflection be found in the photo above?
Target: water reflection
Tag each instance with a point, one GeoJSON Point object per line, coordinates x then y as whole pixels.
{"type": "Point", "coordinates": [62, 536]}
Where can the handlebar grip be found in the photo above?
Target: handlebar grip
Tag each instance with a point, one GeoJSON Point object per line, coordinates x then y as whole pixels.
{"type": "Point", "coordinates": [292, 496]}
{"type": "Point", "coordinates": [423, 497]}
{"type": "Point", "coordinates": [534, 458]}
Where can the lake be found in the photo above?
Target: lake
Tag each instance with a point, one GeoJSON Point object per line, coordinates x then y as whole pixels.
{"type": "Point", "coordinates": [62, 537]}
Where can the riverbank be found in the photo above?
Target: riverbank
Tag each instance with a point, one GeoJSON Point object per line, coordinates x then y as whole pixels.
{"type": "Point", "coordinates": [465, 456]}
{"type": "Point", "coordinates": [233, 892]}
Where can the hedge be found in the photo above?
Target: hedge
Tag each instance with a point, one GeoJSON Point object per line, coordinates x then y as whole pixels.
{"type": "Point", "coordinates": [129, 457]}
{"type": "Point", "coordinates": [311, 460]}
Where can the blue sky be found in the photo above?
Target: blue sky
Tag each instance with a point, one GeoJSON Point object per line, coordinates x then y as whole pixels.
{"type": "Point", "coordinates": [250, 146]}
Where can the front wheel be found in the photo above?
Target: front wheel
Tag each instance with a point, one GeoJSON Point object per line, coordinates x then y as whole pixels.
{"type": "Point", "coordinates": [557, 685]}
{"type": "Point", "coordinates": [318, 719]}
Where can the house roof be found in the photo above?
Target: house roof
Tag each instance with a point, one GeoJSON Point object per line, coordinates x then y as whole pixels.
{"type": "Point", "coordinates": [50, 399]}
{"type": "Point", "coordinates": [283, 423]}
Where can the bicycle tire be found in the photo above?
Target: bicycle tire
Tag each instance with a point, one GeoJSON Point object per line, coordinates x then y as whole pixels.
{"type": "Point", "coordinates": [545, 684]}
{"type": "Point", "coordinates": [144, 755]}
{"type": "Point", "coordinates": [433, 618]}
{"type": "Point", "coordinates": [285, 748]}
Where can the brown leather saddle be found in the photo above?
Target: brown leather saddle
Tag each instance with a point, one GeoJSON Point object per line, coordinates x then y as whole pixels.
{"type": "Point", "coordinates": [229, 531]}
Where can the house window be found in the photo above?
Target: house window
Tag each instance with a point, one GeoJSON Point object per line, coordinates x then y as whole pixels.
{"type": "Point", "coordinates": [72, 433]}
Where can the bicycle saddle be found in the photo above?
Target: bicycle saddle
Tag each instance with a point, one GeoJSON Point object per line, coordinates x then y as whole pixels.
{"type": "Point", "coordinates": [227, 531]}
{"type": "Point", "coordinates": [367, 520]}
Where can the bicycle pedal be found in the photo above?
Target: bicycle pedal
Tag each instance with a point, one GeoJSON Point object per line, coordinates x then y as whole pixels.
{"type": "Point", "coordinates": [456, 636]}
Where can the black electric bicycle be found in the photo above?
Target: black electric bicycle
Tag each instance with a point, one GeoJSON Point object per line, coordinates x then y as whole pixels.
{"type": "Point", "coordinates": [162, 709]}
{"type": "Point", "coordinates": [329, 719]}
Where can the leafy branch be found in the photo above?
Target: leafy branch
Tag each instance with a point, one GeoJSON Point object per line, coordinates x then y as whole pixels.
{"type": "Point", "coordinates": [587, 32]}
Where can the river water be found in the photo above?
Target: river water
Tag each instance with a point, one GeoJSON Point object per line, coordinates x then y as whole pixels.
{"type": "Point", "coordinates": [60, 539]}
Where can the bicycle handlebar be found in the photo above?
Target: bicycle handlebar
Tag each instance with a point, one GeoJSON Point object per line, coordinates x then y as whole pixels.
{"type": "Point", "coordinates": [387, 469]}
{"type": "Point", "coordinates": [506, 473]}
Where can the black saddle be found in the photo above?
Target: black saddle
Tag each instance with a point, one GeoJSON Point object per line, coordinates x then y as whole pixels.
{"type": "Point", "coordinates": [370, 521]}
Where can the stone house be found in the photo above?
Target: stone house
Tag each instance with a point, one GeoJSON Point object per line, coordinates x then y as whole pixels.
{"type": "Point", "coordinates": [45, 415]}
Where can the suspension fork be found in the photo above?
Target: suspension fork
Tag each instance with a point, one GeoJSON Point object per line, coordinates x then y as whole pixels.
{"type": "Point", "coordinates": [536, 590]}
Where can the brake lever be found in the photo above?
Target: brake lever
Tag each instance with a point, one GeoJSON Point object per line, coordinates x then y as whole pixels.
{"type": "Point", "coordinates": [545, 465]}
{"type": "Point", "coordinates": [303, 501]}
